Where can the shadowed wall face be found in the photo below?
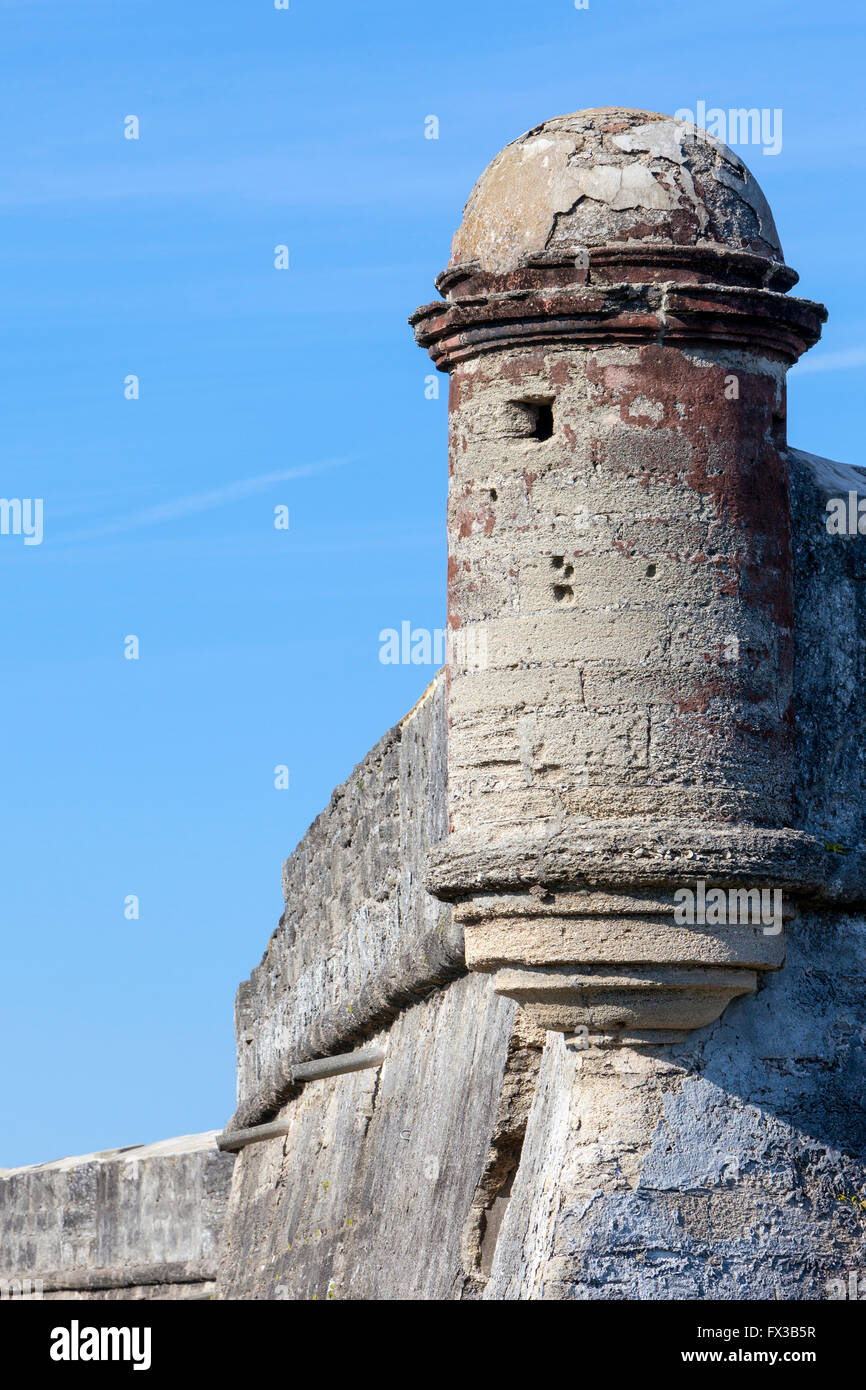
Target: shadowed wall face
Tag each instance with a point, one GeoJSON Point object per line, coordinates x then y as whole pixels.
{"type": "Point", "coordinates": [730, 1167]}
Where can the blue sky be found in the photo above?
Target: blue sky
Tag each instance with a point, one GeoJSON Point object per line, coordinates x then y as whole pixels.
{"type": "Point", "coordinates": [261, 388]}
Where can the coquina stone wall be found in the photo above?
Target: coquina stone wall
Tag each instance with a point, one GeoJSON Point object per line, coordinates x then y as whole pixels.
{"type": "Point", "coordinates": [142, 1222]}
{"type": "Point", "coordinates": [385, 1184]}
{"type": "Point", "coordinates": [724, 1168]}
{"type": "Point", "coordinates": [360, 937]}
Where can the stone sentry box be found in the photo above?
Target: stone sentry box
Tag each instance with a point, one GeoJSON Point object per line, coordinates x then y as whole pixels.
{"type": "Point", "coordinates": [617, 328]}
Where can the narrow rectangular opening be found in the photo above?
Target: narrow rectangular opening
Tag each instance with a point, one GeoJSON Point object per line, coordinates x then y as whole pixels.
{"type": "Point", "coordinates": [544, 420]}
{"type": "Point", "coordinates": [537, 417]}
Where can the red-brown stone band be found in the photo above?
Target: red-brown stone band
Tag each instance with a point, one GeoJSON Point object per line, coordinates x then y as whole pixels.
{"type": "Point", "coordinates": [672, 312]}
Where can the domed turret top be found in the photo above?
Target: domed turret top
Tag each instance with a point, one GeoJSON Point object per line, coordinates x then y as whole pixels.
{"type": "Point", "coordinates": [610, 177]}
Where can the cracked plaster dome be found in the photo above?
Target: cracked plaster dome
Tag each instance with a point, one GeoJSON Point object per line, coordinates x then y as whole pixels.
{"type": "Point", "coordinates": [612, 177]}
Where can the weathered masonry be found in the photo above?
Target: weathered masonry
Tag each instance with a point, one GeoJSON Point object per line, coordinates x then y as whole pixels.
{"type": "Point", "coordinates": [589, 1063]}
{"type": "Point", "coordinates": [144, 1222]}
